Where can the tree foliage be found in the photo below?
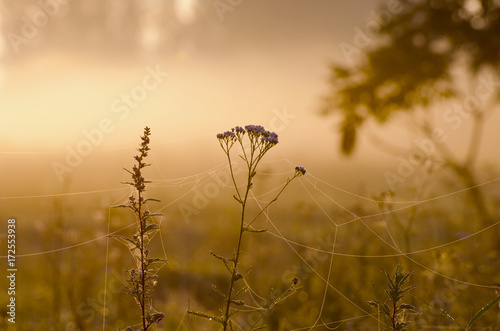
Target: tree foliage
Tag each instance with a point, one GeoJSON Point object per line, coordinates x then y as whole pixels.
{"type": "Point", "coordinates": [410, 61]}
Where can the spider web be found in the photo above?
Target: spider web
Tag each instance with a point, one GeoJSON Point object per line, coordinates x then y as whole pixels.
{"type": "Point", "coordinates": [318, 192]}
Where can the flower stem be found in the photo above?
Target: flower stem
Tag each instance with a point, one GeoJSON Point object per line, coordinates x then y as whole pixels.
{"type": "Point", "coordinates": [238, 246]}
{"type": "Point", "coordinates": [143, 276]}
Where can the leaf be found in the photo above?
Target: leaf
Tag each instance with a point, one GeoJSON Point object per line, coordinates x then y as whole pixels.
{"type": "Point", "coordinates": [238, 302]}
{"type": "Point", "coordinates": [130, 172]}
{"type": "Point", "coordinates": [400, 325]}
{"type": "Point", "coordinates": [151, 227]}
{"type": "Point", "coordinates": [373, 303]}
{"type": "Point", "coordinates": [252, 230]}
{"type": "Point", "coordinates": [151, 199]}
{"type": "Point", "coordinates": [386, 310]}
{"type": "Point", "coordinates": [482, 312]}
{"type": "Point", "coordinates": [405, 306]}
{"type": "Point", "coordinates": [406, 289]}
{"type": "Point", "coordinates": [391, 283]}
{"type": "Point", "coordinates": [218, 291]}
{"type": "Point", "coordinates": [155, 318]}
{"type": "Point", "coordinates": [205, 315]}
{"type": "Point", "coordinates": [227, 262]}
{"type": "Point", "coordinates": [123, 206]}
{"type": "Point", "coordinates": [157, 260]}
{"type": "Point", "coordinates": [217, 256]}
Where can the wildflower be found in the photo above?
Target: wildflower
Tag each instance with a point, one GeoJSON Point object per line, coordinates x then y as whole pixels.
{"type": "Point", "coordinates": [238, 129]}
{"type": "Point", "coordinates": [300, 171]}
{"type": "Point", "coordinates": [255, 129]}
{"type": "Point", "coordinates": [260, 142]}
{"type": "Point", "coordinates": [270, 139]}
{"type": "Point", "coordinates": [226, 140]}
{"type": "Point", "coordinates": [228, 135]}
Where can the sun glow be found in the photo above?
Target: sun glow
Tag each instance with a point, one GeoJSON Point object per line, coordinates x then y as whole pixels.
{"type": "Point", "coordinates": [185, 10]}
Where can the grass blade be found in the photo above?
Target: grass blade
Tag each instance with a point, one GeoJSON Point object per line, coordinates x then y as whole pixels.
{"type": "Point", "coordinates": [482, 312]}
{"type": "Point", "coordinates": [441, 312]}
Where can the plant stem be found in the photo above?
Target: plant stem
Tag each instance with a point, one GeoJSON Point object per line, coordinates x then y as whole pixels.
{"type": "Point", "coordinates": [263, 209]}
{"type": "Point", "coordinates": [143, 277]}
{"type": "Point", "coordinates": [238, 246]}
{"type": "Point", "coordinates": [232, 175]}
{"type": "Point", "coordinates": [394, 311]}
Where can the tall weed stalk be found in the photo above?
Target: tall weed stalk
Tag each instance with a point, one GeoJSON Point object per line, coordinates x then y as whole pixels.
{"type": "Point", "coordinates": [142, 279]}
{"type": "Point", "coordinates": [252, 149]}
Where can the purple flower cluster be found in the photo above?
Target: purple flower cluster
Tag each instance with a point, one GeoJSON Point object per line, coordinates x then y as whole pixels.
{"type": "Point", "coordinates": [238, 129]}
{"type": "Point", "coordinates": [257, 129]}
{"type": "Point", "coordinates": [265, 136]}
{"type": "Point", "coordinates": [302, 170]}
{"type": "Point", "coordinates": [254, 131]}
{"type": "Point", "coordinates": [272, 138]}
{"type": "Point", "coordinates": [226, 135]}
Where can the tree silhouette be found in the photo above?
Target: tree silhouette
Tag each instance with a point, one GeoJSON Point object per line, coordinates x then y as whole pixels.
{"type": "Point", "coordinates": [421, 53]}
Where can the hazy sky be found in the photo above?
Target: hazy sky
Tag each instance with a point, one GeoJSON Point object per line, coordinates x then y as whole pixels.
{"type": "Point", "coordinates": [91, 76]}
{"type": "Point", "coordinates": [225, 67]}
{"type": "Point", "coordinates": [209, 69]}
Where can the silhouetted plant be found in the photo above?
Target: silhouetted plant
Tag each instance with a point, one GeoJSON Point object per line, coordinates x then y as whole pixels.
{"type": "Point", "coordinates": [395, 314]}
{"type": "Point", "coordinates": [260, 142]}
{"type": "Point", "coordinates": [142, 279]}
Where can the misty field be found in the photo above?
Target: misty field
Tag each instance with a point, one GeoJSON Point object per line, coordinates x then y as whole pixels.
{"type": "Point", "coordinates": [281, 165]}
{"type": "Point", "coordinates": [307, 262]}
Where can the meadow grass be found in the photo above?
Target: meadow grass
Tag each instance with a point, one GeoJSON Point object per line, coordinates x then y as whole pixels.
{"type": "Point", "coordinates": [453, 265]}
